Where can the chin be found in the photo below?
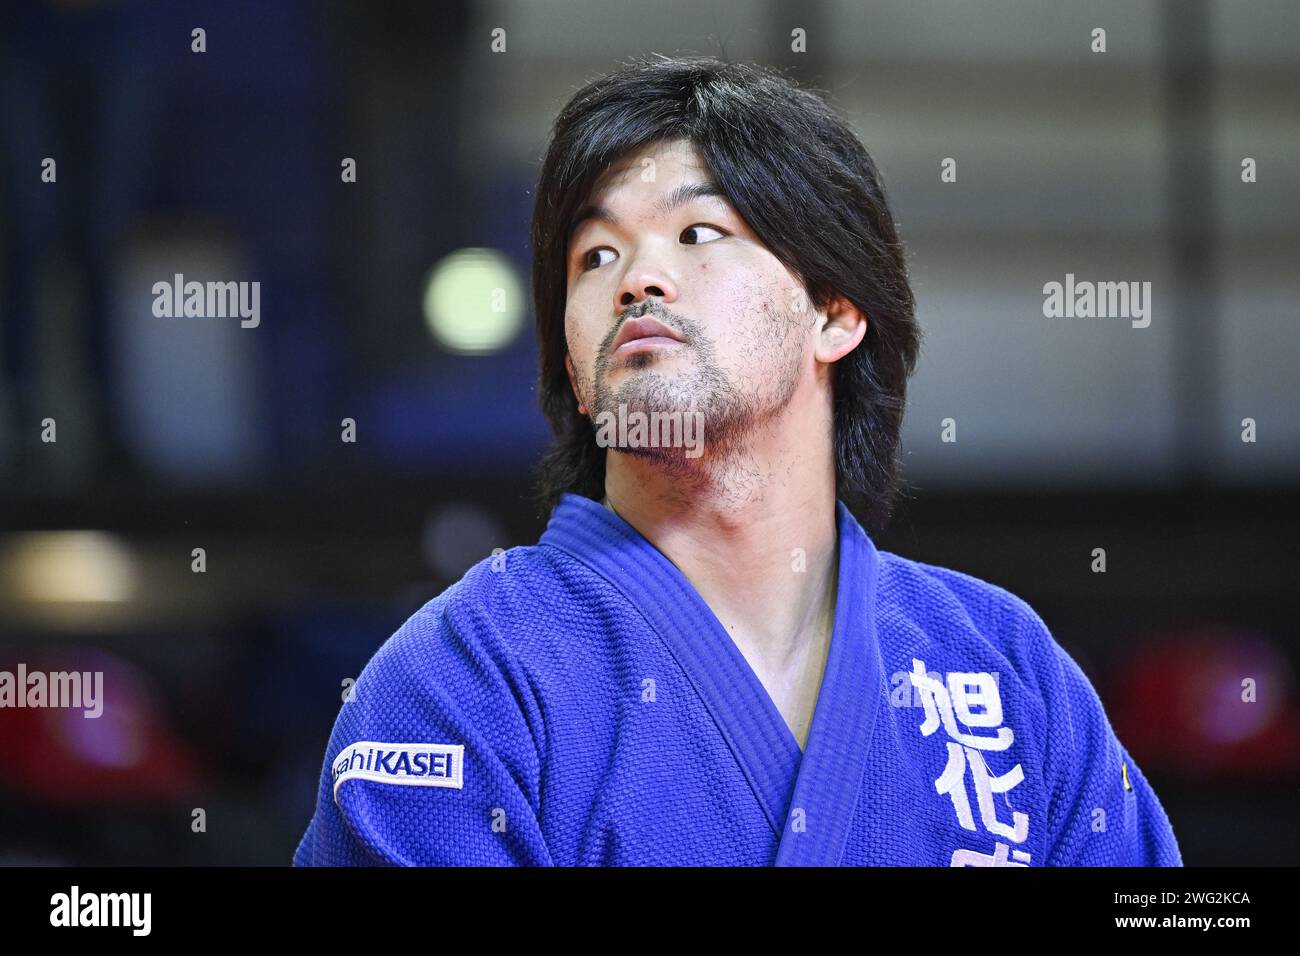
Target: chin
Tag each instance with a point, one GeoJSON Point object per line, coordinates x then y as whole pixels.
{"type": "Point", "coordinates": [643, 361]}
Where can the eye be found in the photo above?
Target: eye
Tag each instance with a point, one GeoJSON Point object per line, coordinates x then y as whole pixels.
{"type": "Point", "coordinates": [585, 263]}
{"type": "Point", "coordinates": [700, 225]}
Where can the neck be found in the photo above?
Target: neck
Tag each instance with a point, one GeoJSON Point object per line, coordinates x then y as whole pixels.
{"type": "Point", "coordinates": [756, 536]}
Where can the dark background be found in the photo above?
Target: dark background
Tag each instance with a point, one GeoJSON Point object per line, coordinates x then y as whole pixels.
{"type": "Point", "coordinates": [180, 433]}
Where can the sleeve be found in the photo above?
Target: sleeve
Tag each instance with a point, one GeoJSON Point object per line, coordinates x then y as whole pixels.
{"type": "Point", "coordinates": [1101, 809]}
{"type": "Point", "coordinates": [432, 760]}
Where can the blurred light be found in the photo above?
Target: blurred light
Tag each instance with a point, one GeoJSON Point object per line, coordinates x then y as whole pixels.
{"type": "Point", "coordinates": [1221, 718]}
{"type": "Point", "coordinates": [70, 567]}
{"type": "Point", "coordinates": [128, 754]}
{"type": "Point", "coordinates": [473, 301]}
{"type": "Point", "coordinates": [116, 738]}
{"type": "Point", "coordinates": [1181, 698]}
{"type": "Point", "coordinates": [119, 737]}
{"type": "Point", "coordinates": [458, 537]}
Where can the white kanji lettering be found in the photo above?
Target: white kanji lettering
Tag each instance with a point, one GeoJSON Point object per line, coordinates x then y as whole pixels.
{"type": "Point", "coordinates": [985, 786]}
{"type": "Point", "coordinates": [938, 705]}
{"type": "Point", "coordinates": [997, 858]}
{"type": "Point", "coordinates": [972, 698]}
{"type": "Point", "coordinates": [985, 696]}
{"type": "Point", "coordinates": [953, 783]}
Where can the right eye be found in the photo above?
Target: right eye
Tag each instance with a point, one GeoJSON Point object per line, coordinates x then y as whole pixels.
{"type": "Point", "coordinates": [587, 264]}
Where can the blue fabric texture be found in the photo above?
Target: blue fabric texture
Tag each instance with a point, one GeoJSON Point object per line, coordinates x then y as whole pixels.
{"type": "Point", "coordinates": [576, 702]}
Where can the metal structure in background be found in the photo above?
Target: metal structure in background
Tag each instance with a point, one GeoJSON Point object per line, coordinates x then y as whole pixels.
{"type": "Point", "coordinates": [1189, 79]}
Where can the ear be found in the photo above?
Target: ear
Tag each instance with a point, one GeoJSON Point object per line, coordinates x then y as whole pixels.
{"type": "Point", "coordinates": [840, 332]}
{"type": "Point", "coordinates": [573, 383]}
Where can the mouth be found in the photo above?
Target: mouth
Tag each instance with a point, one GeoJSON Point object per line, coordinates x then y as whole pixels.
{"type": "Point", "coordinates": [645, 333]}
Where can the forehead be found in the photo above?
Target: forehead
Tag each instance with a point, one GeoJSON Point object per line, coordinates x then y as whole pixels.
{"type": "Point", "coordinates": [651, 169]}
{"type": "Point", "coordinates": [652, 181]}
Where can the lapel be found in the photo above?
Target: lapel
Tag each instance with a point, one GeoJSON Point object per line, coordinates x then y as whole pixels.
{"type": "Point", "coordinates": [830, 774]}
{"type": "Point", "coordinates": [808, 797]}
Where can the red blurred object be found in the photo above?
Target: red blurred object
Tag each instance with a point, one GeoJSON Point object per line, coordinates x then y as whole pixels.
{"type": "Point", "coordinates": [128, 754]}
{"type": "Point", "coordinates": [1178, 701]}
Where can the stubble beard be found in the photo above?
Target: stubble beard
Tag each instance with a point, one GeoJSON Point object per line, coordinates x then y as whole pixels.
{"type": "Point", "coordinates": [694, 382]}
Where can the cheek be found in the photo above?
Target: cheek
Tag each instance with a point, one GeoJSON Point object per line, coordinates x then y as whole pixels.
{"type": "Point", "coordinates": [581, 342]}
{"type": "Point", "coordinates": [760, 319]}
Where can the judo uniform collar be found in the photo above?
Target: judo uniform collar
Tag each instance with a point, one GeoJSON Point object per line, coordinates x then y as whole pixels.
{"type": "Point", "coordinates": [808, 797]}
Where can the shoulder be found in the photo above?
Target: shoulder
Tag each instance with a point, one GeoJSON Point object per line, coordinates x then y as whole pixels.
{"type": "Point", "coordinates": [448, 690]}
{"type": "Point", "coordinates": [955, 608]}
{"type": "Point", "coordinates": [492, 642]}
{"type": "Point", "coordinates": [458, 669]}
{"type": "Point", "coordinates": [497, 611]}
{"type": "Point", "coordinates": [955, 622]}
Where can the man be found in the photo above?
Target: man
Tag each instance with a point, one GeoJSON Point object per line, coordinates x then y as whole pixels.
{"type": "Point", "coordinates": [705, 659]}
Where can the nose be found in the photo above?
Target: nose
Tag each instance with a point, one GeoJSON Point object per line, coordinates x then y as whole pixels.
{"type": "Point", "coordinates": [641, 281]}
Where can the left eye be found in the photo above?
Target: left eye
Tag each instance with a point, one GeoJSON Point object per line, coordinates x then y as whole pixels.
{"type": "Point", "coordinates": [697, 226]}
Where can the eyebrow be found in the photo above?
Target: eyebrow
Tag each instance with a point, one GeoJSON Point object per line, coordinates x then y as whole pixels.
{"type": "Point", "coordinates": [683, 194]}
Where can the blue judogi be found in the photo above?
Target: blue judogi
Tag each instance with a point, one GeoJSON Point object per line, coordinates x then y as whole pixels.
{"type": "Point", "coordinates": [576, 702]}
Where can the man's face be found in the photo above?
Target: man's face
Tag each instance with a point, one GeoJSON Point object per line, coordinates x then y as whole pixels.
{"type": "Point", "coordinates": [743, 318]}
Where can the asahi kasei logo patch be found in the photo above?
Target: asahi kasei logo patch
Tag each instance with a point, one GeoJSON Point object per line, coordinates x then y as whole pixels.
{"type": "Point", "coordinates": [410, 765]}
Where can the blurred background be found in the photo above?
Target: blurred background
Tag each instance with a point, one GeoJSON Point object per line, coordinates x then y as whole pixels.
{"type": "Point", "coordinates": [176, 434]}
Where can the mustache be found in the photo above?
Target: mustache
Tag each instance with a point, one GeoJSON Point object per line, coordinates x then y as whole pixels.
{"type": "Point", "coordinates": [655, 310]}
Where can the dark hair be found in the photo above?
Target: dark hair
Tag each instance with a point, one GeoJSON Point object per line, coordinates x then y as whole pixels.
{"type": "Point", "coordinates": [803, 182]}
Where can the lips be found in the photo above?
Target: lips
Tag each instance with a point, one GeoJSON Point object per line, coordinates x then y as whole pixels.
{"type": "Point", "coordinates": [644, 328]}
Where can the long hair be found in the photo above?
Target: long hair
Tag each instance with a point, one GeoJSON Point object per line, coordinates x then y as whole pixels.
{"type": "Point", "coordinates": [807, 188]}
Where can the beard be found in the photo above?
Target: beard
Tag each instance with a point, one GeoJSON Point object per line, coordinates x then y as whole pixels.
{"type": "Point", "coordinates": [692, 382]}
